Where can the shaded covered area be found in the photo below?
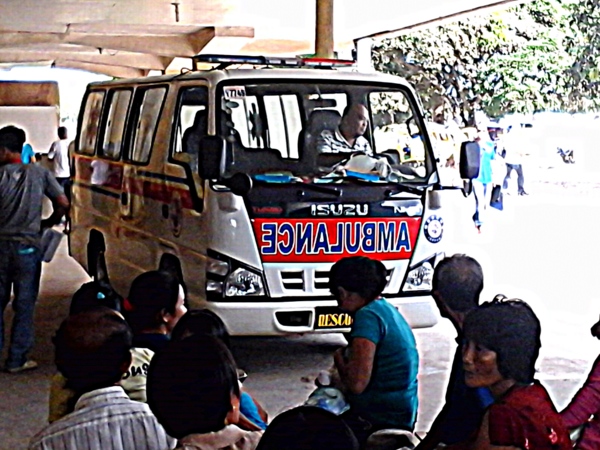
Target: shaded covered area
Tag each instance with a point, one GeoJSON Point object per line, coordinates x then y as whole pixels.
{"type": "Point", "coordinates": [129, 38]}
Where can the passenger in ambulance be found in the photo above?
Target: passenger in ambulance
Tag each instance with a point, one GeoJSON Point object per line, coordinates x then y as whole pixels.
{"type": "Point", "coordinates": [348, 137]}
{"type": "Point", "coordinates": [378, 369]}
{"type": "Point", "coordinates": [253, 416]}
{"type": "Point", "coordinates": [192, 135]}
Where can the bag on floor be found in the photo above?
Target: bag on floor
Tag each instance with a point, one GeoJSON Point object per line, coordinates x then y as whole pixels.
{"type": "Point", "coordinates": [496, 199]}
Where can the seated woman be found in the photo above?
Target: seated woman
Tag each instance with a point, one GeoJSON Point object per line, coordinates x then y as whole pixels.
{"type": "Point", "coordinates": [584, 408]}
{"type": "Point", "coordinates": [379, 367]}
{"type": "Point", "coordinates": [502, 345]}
{"type": "Point", "coordinates": [253, 416]}
{"type": "Point", "coordinates": [194, 392]}
{"type": "Point", "coordinates": [308, 427]}
{"type": "Point", "coordinates": [156, 302]}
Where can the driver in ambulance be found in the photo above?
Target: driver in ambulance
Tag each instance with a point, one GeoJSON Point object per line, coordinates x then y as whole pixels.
{"type": "Point", "coordinates": [348, 137]}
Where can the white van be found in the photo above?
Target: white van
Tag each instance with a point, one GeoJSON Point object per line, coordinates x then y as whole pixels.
{"type": "Point", "coordinates": [215, 174]}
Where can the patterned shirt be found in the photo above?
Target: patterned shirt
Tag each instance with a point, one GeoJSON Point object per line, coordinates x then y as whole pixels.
{"type": "Point", "coordinates": [105, 419]}
{"type": "Point", "coordinates": [334, 142]}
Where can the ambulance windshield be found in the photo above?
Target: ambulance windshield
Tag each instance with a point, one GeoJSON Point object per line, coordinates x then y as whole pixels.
{"type": "Point", "coordinates": [294, 131]}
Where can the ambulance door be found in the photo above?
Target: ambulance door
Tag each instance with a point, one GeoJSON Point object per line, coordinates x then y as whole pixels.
{"type": "Point", "coordinates": [107, 172]}
{"type": "Point", "coordinates": [144, 185]}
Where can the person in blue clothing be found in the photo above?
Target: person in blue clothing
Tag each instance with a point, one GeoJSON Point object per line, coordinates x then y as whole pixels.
{"type": "Point", "coordinates": [482, 185]}
{"type": "Point", "coordinates": [378, 368]}
{"type": "Point", "coordinates": [457, 285]}
{"type": "Point", "coordinates": [27, 154]}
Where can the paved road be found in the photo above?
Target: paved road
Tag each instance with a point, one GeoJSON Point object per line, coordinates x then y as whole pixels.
{"type": "Point", "coordinates": [542, 248]}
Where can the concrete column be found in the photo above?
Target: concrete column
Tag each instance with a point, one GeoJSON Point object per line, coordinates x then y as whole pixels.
{"type": "Point", "coordinates": [324, 29]}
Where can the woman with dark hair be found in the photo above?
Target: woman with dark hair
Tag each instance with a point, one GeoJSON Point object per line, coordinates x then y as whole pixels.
{"type": "Point", "coordinates": [195, 322]}
{"type": "Point", "coordinates": [379, 367]}
{"type": "Point", "coordinates": [502, 346]}
{"type": "Point", "coordinates": [194, 392]}
{"type": "Point", "coordinates": [155, 303]}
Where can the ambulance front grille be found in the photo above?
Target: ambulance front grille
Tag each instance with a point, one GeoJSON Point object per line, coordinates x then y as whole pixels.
{"type": "Point", "coordinates": [310, 281]}
{"type": "Point", "coordinates": [292, 279]}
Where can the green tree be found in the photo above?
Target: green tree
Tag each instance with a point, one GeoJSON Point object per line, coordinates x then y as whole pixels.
{"type": "Point", "coordinates": [508, 61]}
{"type": "Point", "coordinates": [583, 45]}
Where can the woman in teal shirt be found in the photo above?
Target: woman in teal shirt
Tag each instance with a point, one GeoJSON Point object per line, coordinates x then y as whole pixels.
{"type": "Point", "coordinates": [379, 367]}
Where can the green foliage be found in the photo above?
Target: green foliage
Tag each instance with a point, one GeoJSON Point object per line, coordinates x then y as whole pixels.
{"type": "Point", "coordinates": [583, 77]}
{"type": "Point", "coordinates": [512, 60]}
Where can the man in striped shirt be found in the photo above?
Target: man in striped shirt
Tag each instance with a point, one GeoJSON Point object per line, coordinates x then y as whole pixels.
{"type": "Point", "coordinates": [93, 352]}
{"type": "Point", "coordinates": [348, 137]}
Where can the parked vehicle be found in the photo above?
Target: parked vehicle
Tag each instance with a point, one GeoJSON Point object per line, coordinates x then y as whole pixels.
{"type": "Point", "coordinates": [216, 175]}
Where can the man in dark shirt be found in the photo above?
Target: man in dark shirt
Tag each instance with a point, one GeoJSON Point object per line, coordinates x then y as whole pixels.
{"type": "Point", "coordinates": [22, 190]}
{"type": "Point", "coordinates": [457, 284]}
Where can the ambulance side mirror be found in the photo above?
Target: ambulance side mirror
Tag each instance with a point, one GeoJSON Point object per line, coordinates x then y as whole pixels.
{"type": "Point", "coordinates": [469, 160]}
{"type": "Point", "coordinates": [212, 158]}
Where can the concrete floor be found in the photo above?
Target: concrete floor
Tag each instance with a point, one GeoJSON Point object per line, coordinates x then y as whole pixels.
{"type": "Point", "coordinates": [280, 381]}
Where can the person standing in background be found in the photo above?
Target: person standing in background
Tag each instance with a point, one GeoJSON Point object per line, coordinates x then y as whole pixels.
{"type": "Point", "coordinates": [482, 185]}
{"type": "Point", "coordinates": [59, 155]}
{"type": "Point", "coordinates": [27, 153]}
{"type": "Point", "coordinates": [514, 160]}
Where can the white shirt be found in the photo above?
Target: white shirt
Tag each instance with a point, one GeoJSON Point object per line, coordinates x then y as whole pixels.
{"type": "Point", "coordinates": [59, 154]}
{"type": "Point", "coordinates": [105, 419]}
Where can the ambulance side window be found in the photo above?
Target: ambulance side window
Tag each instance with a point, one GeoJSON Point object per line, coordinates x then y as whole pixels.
{"type": "Point", "coordinates": [148, 104]}
{"type": "Point", "coordinates": [114, 124]}
{"type": "Point", "coordinates": [191, 125]}
{"type": "Point", "coordinates": [90, 123]}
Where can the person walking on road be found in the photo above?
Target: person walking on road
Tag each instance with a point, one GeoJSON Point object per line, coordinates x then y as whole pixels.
{"type": "Point", "coordinates": [513, 158]}
{"type": "Point", "coordinates": [482, 185]}
{"type": "Point", "coordinates": [22, 189]}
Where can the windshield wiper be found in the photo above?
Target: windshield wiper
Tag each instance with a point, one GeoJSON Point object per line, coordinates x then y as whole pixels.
{"type": "Point", "coordinates": [336, 192]}
{"type": "Point", "coordinates": [404, 187]}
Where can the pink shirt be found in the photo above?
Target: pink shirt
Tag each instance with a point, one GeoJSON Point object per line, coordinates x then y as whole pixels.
{"type": "Point", "coordinates": [583, 405]}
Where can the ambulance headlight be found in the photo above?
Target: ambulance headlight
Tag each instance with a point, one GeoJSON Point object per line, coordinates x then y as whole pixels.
{"type": "Point", "coordinates": [243, 282]}
{"type": "Point", "coordinates": [420, 278]}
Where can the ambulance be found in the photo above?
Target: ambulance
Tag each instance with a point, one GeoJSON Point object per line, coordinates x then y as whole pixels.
{"type": "Point", "coordinates": [217, 175]}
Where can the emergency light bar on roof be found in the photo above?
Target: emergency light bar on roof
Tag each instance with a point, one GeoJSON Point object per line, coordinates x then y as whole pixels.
{"type": "Point", "coordinates": [225, 61]}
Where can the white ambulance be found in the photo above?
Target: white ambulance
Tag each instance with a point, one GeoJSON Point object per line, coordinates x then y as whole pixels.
{"type": "Point", "coordinates": [217, 175]}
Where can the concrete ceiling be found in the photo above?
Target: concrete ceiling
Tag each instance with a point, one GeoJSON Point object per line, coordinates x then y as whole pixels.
{"type": "Point", "coordinates": [125, 38]}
